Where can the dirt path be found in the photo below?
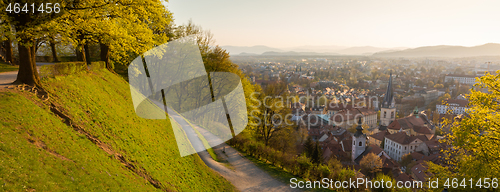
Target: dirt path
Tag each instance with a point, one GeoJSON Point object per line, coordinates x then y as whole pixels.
{"type": "Point", "coordinates": [243, 174]}
{"type": "Point", "coordinates": [7, 78]}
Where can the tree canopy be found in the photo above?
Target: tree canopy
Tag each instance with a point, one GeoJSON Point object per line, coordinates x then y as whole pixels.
{"type": "Point", "coordinates": [475, 136]}
{"type": "Point", "coordinates": [123, 28]}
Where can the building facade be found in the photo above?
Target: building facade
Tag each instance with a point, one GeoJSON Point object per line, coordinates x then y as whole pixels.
{"type": "Point", "coordinates": [455, 106]}
{"type": "Point", "coordinates": [399, 144]}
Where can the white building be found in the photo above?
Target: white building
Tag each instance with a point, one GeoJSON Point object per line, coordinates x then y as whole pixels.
{"type": "Point", "coordinates": [399, 144]}
{"type": "Point", "coordinates": [456, 106]}
{"type": "Point", "coordinates": [462, 79]}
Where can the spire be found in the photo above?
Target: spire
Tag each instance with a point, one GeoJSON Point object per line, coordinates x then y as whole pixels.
{"type": "Point", "coordinates": [415, 112]}
{"type": "Point", "coordinates": [359, 129]}
{"type": "Point", "coordinates": [388, 94]}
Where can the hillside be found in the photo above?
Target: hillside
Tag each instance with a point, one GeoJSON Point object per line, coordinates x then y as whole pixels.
{"type": "Point", "coordinates": [490, 49]}
{"type": "Point", "coordinates": [87, 137]}
{"type": "Point", "coordinates": [258, 49]}
{"type": "Point", "coordinates": [366, 50]}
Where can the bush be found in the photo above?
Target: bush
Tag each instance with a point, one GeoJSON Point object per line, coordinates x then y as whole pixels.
{"type": "Point", "coordinates": [62, 69]}
{"type": "Point", "coordinates": [68, 68]}
{"type": "Point", "coordinates": [304, 165]}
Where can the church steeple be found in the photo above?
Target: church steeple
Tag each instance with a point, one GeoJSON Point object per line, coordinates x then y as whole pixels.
{"type": "Point", "coordinates": [358, 141]}
{"type": "Point", "coordinates": [388, 109]}
{"type": "Point", "coordinates": [415, 112]}
{"type": "Point", "coordinates": [389, 95]}
{"type": "Point", "coordinates": [359, 129]}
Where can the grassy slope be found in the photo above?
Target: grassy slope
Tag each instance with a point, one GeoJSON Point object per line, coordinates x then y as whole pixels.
{"type": "Point", "coordinates": [101, 104]}
{"type": "Point", "coordinates": [4, 67]}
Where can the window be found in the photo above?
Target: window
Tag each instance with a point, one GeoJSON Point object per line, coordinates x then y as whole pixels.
{"type": "Point", "coordinates": [411, 147]}
{"type": "Point", "coordinates": [405, 147]}
{"type": "Point", "coordinates": [385, 114]}
{"type": "Point", "coordinates": [360, 143]}
{"type": "Point", "coordinates": [392, 114]}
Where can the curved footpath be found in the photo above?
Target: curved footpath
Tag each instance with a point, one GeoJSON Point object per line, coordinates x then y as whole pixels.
{"type": "Point", "coordinates": [243, 174]}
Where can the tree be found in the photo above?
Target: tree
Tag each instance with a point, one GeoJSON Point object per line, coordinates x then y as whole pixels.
{"type": "Point", "coordinates": [405, 161]}
{"type": "Point", "coordinates": [317, 154]}
{"type": "Point", "coordinates": [381, 178]}
{"type": "Point", "coordinates": [6, 37]}
{"type": "Point", "coordinates": [419, 82]}
{"type": "Point", "coordinates": [439, 86]}
{"type": "Point", "coordinates": [371, 164]}
{"type": "Point", "coordinates": [127, 26]}
{"type": "Point", "coordinates": [123, 29]}
{"type": "Point", "coordinates": [304, 164]}
{"type": "Point", "coordinates": [308, 147]}
{"type": "Point", "coordinates": [335, 166]}
{"type": "Point", "coordinates": [430, 84]}
{"type": "Point", "coordinates": [475, 138]}
{"type": "Point", "coordinates": [26, 26]}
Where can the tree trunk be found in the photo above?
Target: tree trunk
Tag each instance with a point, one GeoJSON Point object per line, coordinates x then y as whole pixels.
{"type": "Point", "coordinates": [80, 56]}
{"type": "Point", "coordinates": [79, 53]}
{"type": "Point", "coordinates": [27, 66]}
{"type": "Point", "coordinates": [33, 53]}
{"type": "Point", "coordinates": [54, 52]}
{"type": "Point", "coordinates": [9, 53]}
{"type": "Point", "coordinates": [87, 53]}
{"type": "Point", "coordinates": [105, 55]}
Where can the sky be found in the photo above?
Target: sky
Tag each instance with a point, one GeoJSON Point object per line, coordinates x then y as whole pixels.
{"type": "Point", "coordinates": [380, 23]}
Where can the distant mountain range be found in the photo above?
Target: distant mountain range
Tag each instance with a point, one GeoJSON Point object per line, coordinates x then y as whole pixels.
{"type": "Point", "coordinates": [490, 49]}
{"type": "Point", "coordinates": [304, 50]}
{"type": "Point", "coordinates": [258, 49]}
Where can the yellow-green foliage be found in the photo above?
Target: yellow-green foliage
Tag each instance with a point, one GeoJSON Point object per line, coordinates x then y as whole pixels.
{"type": "Point", "coordinates": [100, 103]}
{"type": "Point", "coordinates": [475, 138]}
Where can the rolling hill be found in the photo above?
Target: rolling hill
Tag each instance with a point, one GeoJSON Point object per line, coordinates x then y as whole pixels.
{"type": "Point", "coordinates": [490, 49]}
{"type": "Point", "coordinates": [87, 137]}
{"type": "Point", "coordinates": [258, 49]}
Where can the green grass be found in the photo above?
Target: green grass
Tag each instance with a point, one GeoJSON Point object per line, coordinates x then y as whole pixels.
{"type": "Point", "coordinates": [4, 67]}
{"type": "Point", "coordinates": [101, 104]}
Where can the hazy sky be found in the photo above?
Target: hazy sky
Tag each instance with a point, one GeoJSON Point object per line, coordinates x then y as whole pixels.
{"type": "Point", "coordinates": [382, 23]}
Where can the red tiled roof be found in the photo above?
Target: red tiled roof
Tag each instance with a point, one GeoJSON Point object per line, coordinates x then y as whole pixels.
{"type": "Point", "coordinates": [422, 130]}
{"type": "Point", "coordinates": [366, 111]}
{"type": "Point", "coordinates": [403, 138]}
{"type": "Point", "coordinates": [403, 177]}
{"type": "Point", "coordinates": [335, 150]}
{"type": "Point", "coordinates": [407, 123]}
{"type": "Point", "coordinates": [337, 106]}
{"type": "Point", "coordinates": [389, 163]}
{"type": "Point", "coordinates": [419, 171]}
{"type": "Point", "coordinates": [350, 114]}
{"type": "Point", "coordinates": [375, 149]}
{"type": "Point", "coordinates": [380, 135]}
{"type": "Point", "coordinates": [459, 102]}
{"type": "Point", "coordinates": [347, 145]}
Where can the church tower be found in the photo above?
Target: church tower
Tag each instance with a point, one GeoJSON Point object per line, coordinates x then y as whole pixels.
{"type": "Point", "coordinates": [388, 109]}
{"type": "Point", "coordinates": [358, 141]}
